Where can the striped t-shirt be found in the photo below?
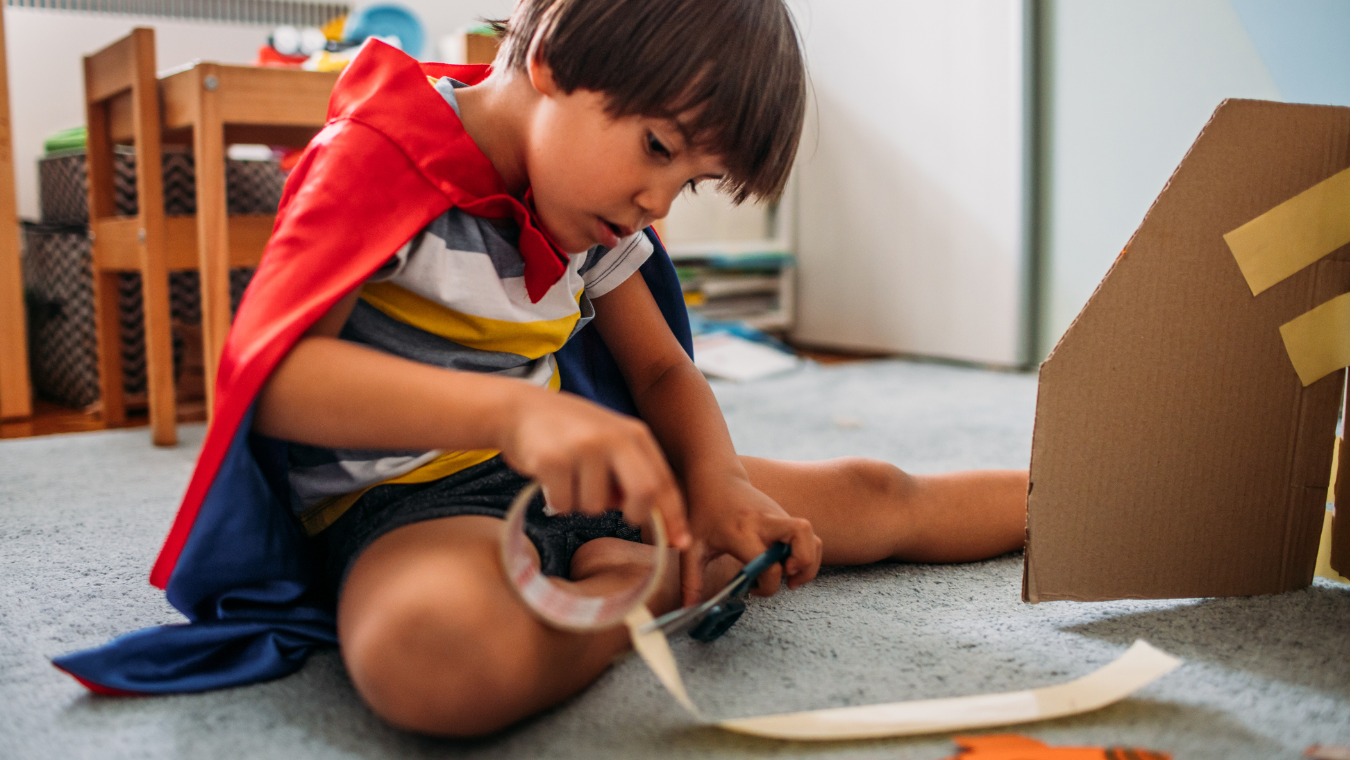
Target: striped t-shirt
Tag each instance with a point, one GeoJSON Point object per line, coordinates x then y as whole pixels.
{"type": "Point", "coordinates": [454, 296]}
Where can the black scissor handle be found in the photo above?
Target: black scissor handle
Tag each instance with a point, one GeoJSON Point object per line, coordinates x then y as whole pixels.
{"type": "Point", "coordinates": [777, 553]}
{"type": "Point", "coordinates": [723, 616]}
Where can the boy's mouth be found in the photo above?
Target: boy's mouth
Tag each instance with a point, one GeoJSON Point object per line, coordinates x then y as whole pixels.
{"type": "Point", "coordinates": [609, 234]}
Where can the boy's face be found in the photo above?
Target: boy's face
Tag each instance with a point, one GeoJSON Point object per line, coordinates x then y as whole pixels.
{"type": "Point", "coordinates": [596, 179]}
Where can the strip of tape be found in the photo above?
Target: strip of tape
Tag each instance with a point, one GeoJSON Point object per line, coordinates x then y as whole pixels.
{"type": "Point", "coordinates": [1294, 234]}
{"type": "Point", "coordinates": [1319, 341]}
{"type": "Point", "coordinates": [1139, 666]}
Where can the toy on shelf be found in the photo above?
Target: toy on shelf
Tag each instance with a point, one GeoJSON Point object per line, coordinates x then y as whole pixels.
{"type": "Point", "coordinates": [330, 47]}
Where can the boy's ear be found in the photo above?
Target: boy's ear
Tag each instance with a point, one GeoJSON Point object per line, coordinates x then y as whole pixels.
{"type": "Point", "coordinates": [541, 77]}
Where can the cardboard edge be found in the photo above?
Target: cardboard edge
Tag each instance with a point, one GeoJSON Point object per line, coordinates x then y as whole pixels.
{"type": "Point", "coordinates": [1302, 531]}
{"type": "Point", "coordinates": [1218, 109]}
{"type": "Point", "coordinates": [1341, 519]}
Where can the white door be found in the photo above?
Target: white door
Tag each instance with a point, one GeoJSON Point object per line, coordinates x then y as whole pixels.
{"type": "Point", "coordinates": [911, 225]}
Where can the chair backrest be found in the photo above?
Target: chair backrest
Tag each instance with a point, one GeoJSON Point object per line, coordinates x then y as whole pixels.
{"type": "Point", "coordinates": [128, 65]}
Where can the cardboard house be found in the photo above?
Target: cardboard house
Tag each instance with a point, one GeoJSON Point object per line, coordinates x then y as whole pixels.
{"type": "Point", "coordinates": [1186, 421]}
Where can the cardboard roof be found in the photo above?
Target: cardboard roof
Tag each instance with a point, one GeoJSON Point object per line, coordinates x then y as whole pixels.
{"type": "Point", "coordinates": [1176, 451]}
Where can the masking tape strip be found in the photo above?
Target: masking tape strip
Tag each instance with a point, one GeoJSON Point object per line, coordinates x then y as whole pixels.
{"type": "Point", "coordinates": [1294, 234]}
{"type": "Point", "coordinates": [1139, 666]}
{"type": "Point", "coordinates": [554, 604]}
{"type": "Point", "coordinates": [1319, 341]}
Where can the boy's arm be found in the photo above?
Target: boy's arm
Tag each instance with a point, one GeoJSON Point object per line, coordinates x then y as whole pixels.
{"type": "Point", "coordinates": [332, 392]}
{"type": "Point", "coordinates": [726, 512]}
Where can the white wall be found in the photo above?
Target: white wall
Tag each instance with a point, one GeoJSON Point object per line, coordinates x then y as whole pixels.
{"type": "Point", "coordinates": [1124, 88]}
{"type": "Point", "coordinates": [44, 50]}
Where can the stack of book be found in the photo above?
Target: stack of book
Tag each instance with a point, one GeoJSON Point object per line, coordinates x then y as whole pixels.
{"type": "Point", "coordinates": [752, 288]}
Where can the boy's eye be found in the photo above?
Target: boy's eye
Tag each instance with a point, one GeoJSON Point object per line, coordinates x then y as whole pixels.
{"type": "Point", "coordinates": [692, 186]}
{"type": "Point", "coordinates": [656, 147]}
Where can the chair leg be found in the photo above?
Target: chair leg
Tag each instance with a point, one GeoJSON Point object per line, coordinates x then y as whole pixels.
{"type": "Point", "coordinates": [160, 357]}
{"type": "Point", "coordinates": [210, 188]}
{"type": "Point", "coordinates": [146, 129]}
{"type": "Point", "coordinates": [109, 349]}
{"type": "Point", "coordinates": [16, 392]}
{"type": "Point", "coordinates": [129, 66]}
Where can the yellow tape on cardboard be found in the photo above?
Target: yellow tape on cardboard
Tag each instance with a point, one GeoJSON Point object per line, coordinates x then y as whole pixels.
{"type": "Point", "coordinates": [1319, 342]}
{"type": "Point", "coordinates": [1137, 667]}
{"type": "Point", "coordinates": [1294, 234]}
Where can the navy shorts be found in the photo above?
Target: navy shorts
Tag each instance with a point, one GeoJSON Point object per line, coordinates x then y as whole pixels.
{"type": "Point", "coordinates": [485, 489]}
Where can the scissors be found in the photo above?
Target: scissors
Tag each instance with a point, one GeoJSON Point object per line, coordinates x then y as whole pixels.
{"type": "Point", "coordinates": [708, 620]}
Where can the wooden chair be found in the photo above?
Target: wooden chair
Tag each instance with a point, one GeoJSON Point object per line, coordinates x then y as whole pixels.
{"type": "Point", "coordinates": [129, 244]}
{"type": "Point", "coordinates": [209, 106]}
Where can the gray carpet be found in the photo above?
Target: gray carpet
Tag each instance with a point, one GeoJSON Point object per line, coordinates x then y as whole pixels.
{"type": "Point", "coordinates": [81, 517]}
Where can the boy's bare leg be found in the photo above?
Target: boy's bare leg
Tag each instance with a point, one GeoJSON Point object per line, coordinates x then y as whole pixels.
{"type": "Point", "coordinates": [436, 641]}
{"type": "Point", "coordinates": [866, 511]}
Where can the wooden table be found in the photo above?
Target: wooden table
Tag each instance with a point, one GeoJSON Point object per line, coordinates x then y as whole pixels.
{"type": "Point", "coordinates": [213, 105]}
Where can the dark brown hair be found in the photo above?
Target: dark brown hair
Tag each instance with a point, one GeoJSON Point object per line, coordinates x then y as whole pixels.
{"type": "Point", "coordinates": [735, 64]}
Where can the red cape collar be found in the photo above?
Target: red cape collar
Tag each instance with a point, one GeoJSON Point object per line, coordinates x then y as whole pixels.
{"type": "Point", "coordinates": [388, 90]}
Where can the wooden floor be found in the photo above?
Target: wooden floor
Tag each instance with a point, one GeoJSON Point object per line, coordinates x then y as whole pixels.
{"type": "Point", "coordinates": [51, 419]}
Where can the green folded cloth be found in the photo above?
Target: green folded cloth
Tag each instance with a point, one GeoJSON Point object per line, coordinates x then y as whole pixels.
{"type": "Point", "coordinates": [66, 139]}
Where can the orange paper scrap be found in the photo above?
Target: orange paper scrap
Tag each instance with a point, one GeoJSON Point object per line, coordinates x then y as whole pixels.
{"type": "Point", "coordinates": [1015, 747]}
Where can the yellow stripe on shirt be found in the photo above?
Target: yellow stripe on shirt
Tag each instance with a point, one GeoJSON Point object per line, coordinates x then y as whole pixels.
{"type": "Point", "coordinates": [327, 511]}
{"type": "Point", "coordinates": [529, 339]}
{"type": "Point", "coordinates": [443, 465]}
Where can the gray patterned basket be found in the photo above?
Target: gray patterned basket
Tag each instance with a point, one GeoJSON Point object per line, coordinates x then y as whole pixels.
{"type": "Point", "coordinates": [58, 289]}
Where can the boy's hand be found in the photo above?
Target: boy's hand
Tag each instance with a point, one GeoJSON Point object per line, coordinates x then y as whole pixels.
{"type": "Point", "coordinates": [730, 516]}
{"type": "Point", "coordinates": [590, 459]}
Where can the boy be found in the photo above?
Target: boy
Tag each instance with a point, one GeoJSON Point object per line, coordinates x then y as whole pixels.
{"type": "Point", "coordinates": [423, 398]}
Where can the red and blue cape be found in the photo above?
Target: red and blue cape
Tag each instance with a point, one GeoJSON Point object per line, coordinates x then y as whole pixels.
{"type": "Point", "coordinates": [391, 158]}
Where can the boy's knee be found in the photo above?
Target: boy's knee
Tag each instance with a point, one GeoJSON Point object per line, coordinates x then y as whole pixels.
{"type": "Point", "coordinates": [875, 479]}
{"type": "Point", "coordinates": [444, 666]}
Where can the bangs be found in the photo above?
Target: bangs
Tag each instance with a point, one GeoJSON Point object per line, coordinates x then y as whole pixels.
{"type": "Point", "coordinates": [729, 73]}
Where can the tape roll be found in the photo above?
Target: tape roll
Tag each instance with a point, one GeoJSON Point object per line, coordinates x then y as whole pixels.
{"type": "Point", "coordinates": [552, 603]}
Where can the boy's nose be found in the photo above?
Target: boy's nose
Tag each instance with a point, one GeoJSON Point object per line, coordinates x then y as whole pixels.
{"type": "Point", "coordinates": [655, 202]}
